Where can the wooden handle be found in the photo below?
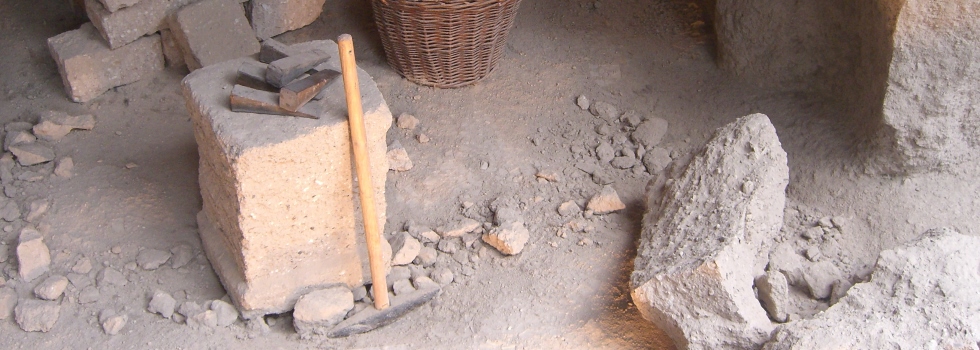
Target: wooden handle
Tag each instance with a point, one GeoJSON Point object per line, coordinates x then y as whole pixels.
{"type": "Point", "coordinates": [365, 186]}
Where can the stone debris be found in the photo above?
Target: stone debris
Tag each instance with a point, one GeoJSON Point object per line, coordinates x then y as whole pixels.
{"type": "Point", "coordinates": [320, 310]}
{"type": "Point", "coordinates": [15, 137]}
{"type": "Point", "coordinates": [32, 153]}
{"type": "Point", "coordinates": [398, 159]}
{"type": "Point", "coordinates": [162, 303]}
{"type": "Point", "coordinates": [110, 277]}
{"type": "Point", "coordinates": [203, 320]}
{"type": "Point", "coordinates": [398, 273]}
{"type": "Point", "coordinates": [226, 313]}
{"type": "Point", "coordinates": [820, 279]}
{"type": "Point", "coordinates": [82, 266]}
{"type": "Point", "coordinates": [273, 17]}
{"type": "Point", "coordinates": [33, 256]}
{"type": "Point", "coordinates": [605, 110]}
{"type": "Point", "coordinates": [256, 327]}
{"type": "Point", "coordinates": [212, 31]}
{"type": "Point", "coordinates": [151, 259]}
{"type": "Point", "coordinates": [424, 282]}
{"type": "Point", "coordinates": [403, 286]}
{"type": "Point", "coordinates": [359, 293]}
{"type": "Point", "coordinates": [407, 121]}
{"type": "Point", "coordinates": [112, 323]}
{"type": "Point", "coordinates": [650, 132]}
{"type": "Point", "coordinates": [64, 167]}
{"type": "Point", "coordinates": [922, 295]}
{"type": "Point", "coordinates": [626, 161]}
{"type": "Point", "coordinates": [656, 160]}
{"type": "Point", "coordinates": [605, 152]}
{"type": "Point", "coordinates": [459, 228]}
{"type": "Point", "coordinates": [405, 247]}
{"type": "Point", "coordinates": [509, 238]}
{"type": "Point", "coordinates": [181, 255]}
{"type": "Point", "coordinates": [423, 138]}
{"type": "Point", "coordinates": [569, 208]}
{"type": "Point", "coordinates": [606, 201]}
{"type": "Point", "coordinates": [583, 102]}
{"type": "Point", "coordinates": [704, 241]}
{"type": "Point", "coordinates": [443, 276]}
{"type": "Point", "coordinates": [54, 125]}
{"type": "Point", "coordinates": [774, 294]}
{"type": "Point", "coordinates": [813, 254]}
{"type": "Point", "coordinates": [189, 309]}
{"type": "Point", "coordinates": [89, 67]}
{"type": "Point", "coordinates": [37, 315]}
{"type": "Point", "coordinates": [8, 301]}
{"type": "Point", "coordinates": [427, 256]}
{"type": "Point", "coordinates": [51, 288]}
{"type": "Point", "coordinates": [448, 246]}
{"type": "Point", "coordinates": [632, 118]}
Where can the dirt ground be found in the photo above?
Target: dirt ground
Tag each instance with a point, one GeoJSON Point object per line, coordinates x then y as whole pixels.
{"type": "Point", "coordinates": [648, 56]}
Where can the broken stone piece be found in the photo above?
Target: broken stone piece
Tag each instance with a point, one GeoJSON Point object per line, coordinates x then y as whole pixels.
{"type": "Point", "coordinates": [442, 276]}
{"type": "Point", "coordinates": [509, 238]}
{"type": "Point", "coordinates": [162, 303]}
{"type": "Point", "coordinates": [405, 248]}
{"type": "Point", "coordinates": [398, 159]}
{"type": "Point", "coordinates": [8, 301]}
{"type": "Point", "coordinates": [403, 286]}
{"type": "Point", "coordinates": [650, 132]}
{"type": "Point", "coordinates": [64, 167]}
{"type": "Point", "coordinates": [151, 259]}
{"type": "Point", "coordinates": [569, 208]}
{"type": "Point", "coordinates": [37, 315]}
{"type": "Point", "coordinates": [51, 288]}
{"type": "Point", "coordinates": [605, 110]}
{"type": "Point", "coordinates": [320, 310]}
{"type": "Point", "coordinates": [181, 255]}
{"type": "Point", "coordinates": [33, 256]}
{"type": "Point", "coordinates": [112, 323]}
{"type": "Point", "coordinates": [225, 313]}
{"type": "Point", "coordinates": [111, 277]}
{"type": "Point", "coordinates": [32, 153]}
{"type": "Point", "coordinates": [820, 279]}
{"type": "Point", "coordinates": [407, 121]}
{"type": "Point", "coordinates": [607, 201]}
{"type": "Point", "coordinates": [774, 294]}
{"type": "Point", "coordinates": [582, 102]}
{"type": "Point", "coordinates": [703, 240]}
{"type": "Point", "coordinates": [459, 228]}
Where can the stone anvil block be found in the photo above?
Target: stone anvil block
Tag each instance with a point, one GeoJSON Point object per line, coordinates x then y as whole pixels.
{"type": "Point", "coordinates": [280, 211]}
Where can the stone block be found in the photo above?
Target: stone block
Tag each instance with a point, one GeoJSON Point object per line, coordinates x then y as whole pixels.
{"type": "Point", "coordinates": [706, 237]}
{"type": "Point", "coordinates": [274, 17]}
{"type": "Point", "coordinates": [129, 24]}
{"type": "Point", "coordinates": [89, 67]}
{"type": "Point", "coordinates": [932, 98]}
{"type": "Point", "coordinates": [280, 212]}
{"type": "Point", "coordinates": [922, 295]}
{"type": "Point", "coordinates": [212, 31]}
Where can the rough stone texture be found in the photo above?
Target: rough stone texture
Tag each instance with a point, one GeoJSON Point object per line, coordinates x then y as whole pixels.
{"type": "Point", "coordinates": [33, 256]}
{"type": "Point", "coordinates": [923, 295]}
{"type": "Point", "coordinates": [932, 100]}
{"type": "Point", "coordinates": [89, 67]}
{"type": "Point", "coordinates": [320, 310]}
{"type": "Point", "coordinates": [274, 17]}
{"type": "Point", "coordinates": [129, 24]}
{"type": "Point", "coordinates": [213, 31]}
{"type": "Point", "coordinates": [606, 201]}
{"type": "Point", "coordinates": [37, 315]}
{"type": "Point", "coordinates": [162, 303]}
{"type": "Point", "coordinates": [405, 248]}
{"type": "Point", "coordinates": [272, 241]}
{"type": "Point", "coordinates": [774, 294]}
{"type": "Point", "coordinates": [51, 288]}
{"type": "Point", "coordinates": [705, 238]}
{"type": "Point", "coordinates": [398, 159]}
{"type": "Point", "coordinates": [111, 322]}
{"type": "Point", "coordinates": [508, 238]}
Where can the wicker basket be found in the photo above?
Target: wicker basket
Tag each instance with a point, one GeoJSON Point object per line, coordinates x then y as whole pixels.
{"type": "Point", "coordinates": [445, 44]}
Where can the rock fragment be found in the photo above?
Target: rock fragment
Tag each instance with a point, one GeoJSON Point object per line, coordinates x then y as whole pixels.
{"type": "Point", "coordinates": [204, 320]}
{"type": "Point", "coordinates": [656, 160]}
{"type": "Point", "coordinates": [403, 286]}
{"type": "Point", "coordinates": [162, 303]}
{"type": "Point", "coordinates": [151, 259]}
{"type": "Point", "coordinates": [569, 208]}
{"type": "Point", "coordinates": [398, 159]}
{"type": "Point", "coordinates": [606, 201]}
{"type": "Point", "coordinates": [33, 256]}
{"type": "Point", "coordinates": [704, 240]}
{"type": "Point", "coordinates": [605, 110]}
{"type": "Point", "coordinates": [407, 121]}
{"type": "Point", "coordinates": [774, 294]}
{"type": "Point", "coordinates": [37, 209]}
{"type": "Point", "coordinates": [605, 152]}
{"type": "Point", "coordinates": [508, 238]}
{"type": "Point", "coordinates": [650, 132]}
{"type": "Point", "coordinates": [111, 277]}
{"type": "Point", "coordinates": [88, 295]}
{"type": "Point", "coordinates": [427, 256]}
{"type": "Point", "coordinates": [442, 276]}
{"type": "Point", "coordinates": [936, 274]}
{"type": "Point", "coordinates": [405, 248]}
{"type": "Point", "coordinates": [64, 167]}
{"type": "Point", "coordinates": [459, 228]}
{"type": "Point", "coordinates": [225, 313]}
{"type": "Point", "coordinates": [582, 102]}
{"type": "Point", "coordinates": [37, 315]}
{"type": "Point", "coordinates": [32, 153]}
{"type": "Point", "coordinates": [51, 288]}
{"type": "Point", "coordinates": [424, 282]}
{"type": "Point", "coordinates": [320, 310]}
{"type": "Point", "coordinates": [820, 279]}
{"type": "Point", "coordinates": [112, 323]}
{"type": "Point", "coordinates": [181, 255]}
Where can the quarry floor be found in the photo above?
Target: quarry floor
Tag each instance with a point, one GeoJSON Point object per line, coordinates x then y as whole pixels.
{"type": "Point", "coordinates": [647, 56]}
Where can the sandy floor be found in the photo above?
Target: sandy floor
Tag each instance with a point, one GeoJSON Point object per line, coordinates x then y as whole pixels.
{"type": "Point", "coordinates": [637, 55]}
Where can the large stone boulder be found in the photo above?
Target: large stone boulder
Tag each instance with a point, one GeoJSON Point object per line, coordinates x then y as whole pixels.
{"type": "Point", "coordinates": [923, 295]}
{"type": "Point", "coordinates": [706, 237]}
{"type": "Point", "coordinates": [932, 100]}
